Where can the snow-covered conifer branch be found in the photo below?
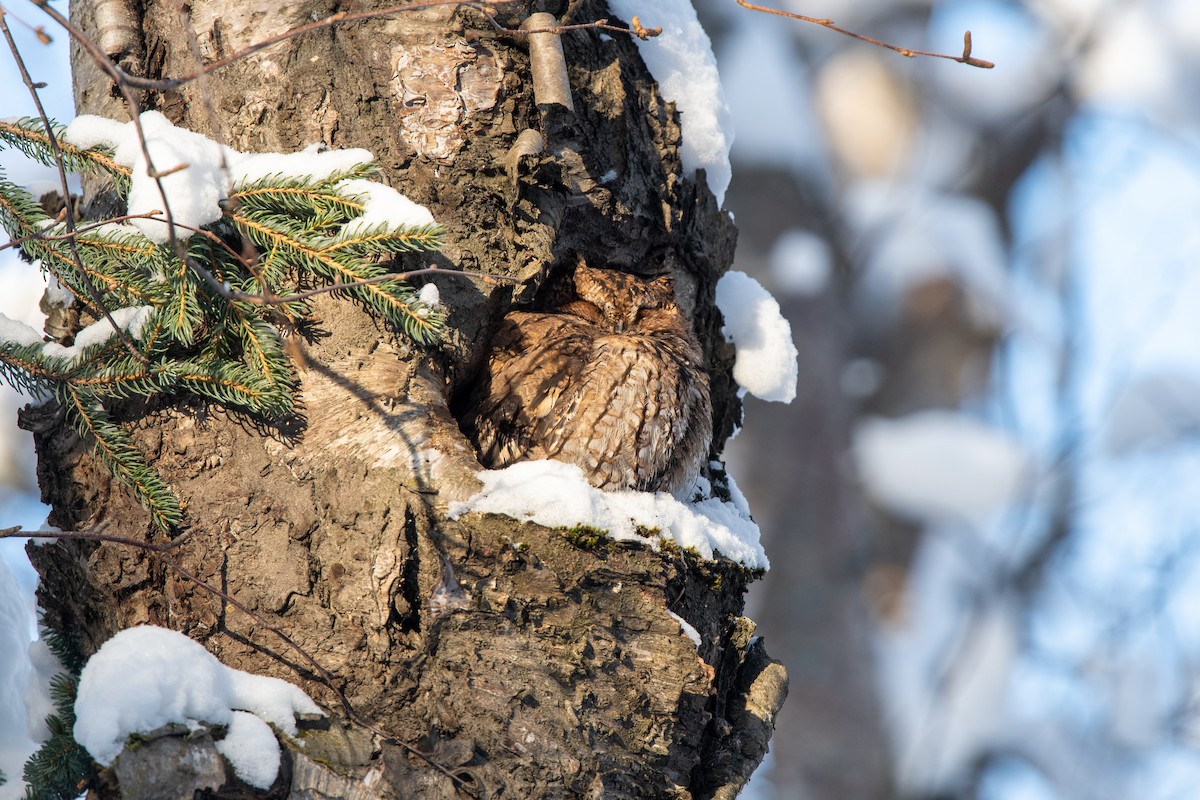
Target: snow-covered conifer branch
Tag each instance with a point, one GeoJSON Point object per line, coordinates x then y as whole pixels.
{"type": "Point", "coordinates": [201, 315]}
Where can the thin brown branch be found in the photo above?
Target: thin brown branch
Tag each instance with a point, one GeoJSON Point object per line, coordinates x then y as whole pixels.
{"type": "Point", "coordinates": [394, 276]}
{"type": "Point", "coordinates": [272, 299]}
{"type": "Point", "coordinates": [217, 240]}
{"type": "Point", "coordinates": [41, 237]}
{"type": "Point", "coordinates": [965, 58]}
{"type": "Point", "coordinates": [267, 298]}
{"type": "Point", "coordinates": [150, 215]}
{"type": "Point", "coordinates": [17, 532]}
{"type": "Point", "coordinates": [39, 31]}
{"type": "Point", "coordinates": [156, 173]}
{"type": "Point", "coordinates": [126, 81]}
{"type": "Point", "coordinates": [635, 28]}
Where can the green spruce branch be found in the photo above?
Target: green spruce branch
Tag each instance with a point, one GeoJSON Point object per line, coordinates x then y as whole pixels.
{"type": "Point", "coordinates": [217, 342]}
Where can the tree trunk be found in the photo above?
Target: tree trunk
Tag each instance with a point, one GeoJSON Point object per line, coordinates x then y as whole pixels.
{"type": "Point", "coordinates": [520, 660]}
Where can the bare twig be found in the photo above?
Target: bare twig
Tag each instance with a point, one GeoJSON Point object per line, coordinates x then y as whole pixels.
{"type": "Point", "coordinates": [17, 532]}
{"type": "Point", "coordinates": [484, 7]}
{"type": "Point", "coordinates": [965, 58]}
{"type": "Point", "coordinates": [272, 299]}
{"type": "Point", "coordinates": [635, 28]}
{"type": "Point", "coordinates": [641, 31]}
{"type": "Point", "coordinates": [39, 31]}
{"type": "Point", "coordinates": [41, 237]}
{"type": "Point", "coordinates": [267, 298]}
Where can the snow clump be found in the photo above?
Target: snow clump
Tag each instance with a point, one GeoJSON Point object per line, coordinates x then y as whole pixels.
{"type": "Point", "coordinates": [146, 677]}
{"type": "Point", "coordinates": [766, 357]}
{"type": "Point", "coordinates": [557, 495]}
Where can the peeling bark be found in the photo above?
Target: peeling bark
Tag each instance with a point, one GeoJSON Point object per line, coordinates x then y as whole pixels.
{"type": "Point", "coordinates": [524, 661]}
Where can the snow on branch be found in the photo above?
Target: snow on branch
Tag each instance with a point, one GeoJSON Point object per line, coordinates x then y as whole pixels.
{"type": "Point", "coordinates": [936, 466]}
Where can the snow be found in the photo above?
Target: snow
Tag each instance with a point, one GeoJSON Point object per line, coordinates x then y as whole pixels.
{"type": "Point", "coordinates": [557, 495]}
{"type": "Point", "coordinates": [130, 320]}
{"type": "Point", "coordinates": [17, 332]}
{"type": "Point", "coordinates": [686, 628]}
{"type": "Point", "coordinates": [800, 262]}
{"type": "Point", "coordinates": [681, 60]}
{"type": "Point", "coordinates": [193, 192]}
{"type": "Point", "coordinates": [384, 207]}
{"type": "Point", "coordinates": [38, 703]}
{"type": "Point", "coordinates": [57, 294]}
{"type": "Point", "coordinates": [311, 161]}
{"type": "Point", "coordinates": [202, 173]}
{"type": "Point", "coordinates": [1010, 34]}
{"type": "Point", "coordinates": [937, 466]}
{"type": "Point", "coordinates": [16, 625]}
{"type": "Point", "coordinates": [146, 677]}
{"type": "Point", "coordinates": [766, 364]}
{"type": "Point", "coordinates": [251, 749]}
{"type": "Point", "coordinates": [429, 295]}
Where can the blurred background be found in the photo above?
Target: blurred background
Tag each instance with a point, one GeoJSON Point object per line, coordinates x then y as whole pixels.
{"type": "Point", "coordinates": [982, 511]}
{"type": "Point", "coordinates": [983, 508]}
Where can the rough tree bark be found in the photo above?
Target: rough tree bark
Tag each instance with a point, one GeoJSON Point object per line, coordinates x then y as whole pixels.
{"type": "Point", "coordinates": [521, 660]}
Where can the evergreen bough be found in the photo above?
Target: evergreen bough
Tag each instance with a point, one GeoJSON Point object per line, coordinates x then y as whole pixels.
{"type": "Point", "coordinates": [195, 334]}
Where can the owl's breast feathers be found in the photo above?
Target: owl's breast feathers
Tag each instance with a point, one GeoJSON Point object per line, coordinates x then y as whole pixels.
{"type": "Point", "coordinates": [631, 409]}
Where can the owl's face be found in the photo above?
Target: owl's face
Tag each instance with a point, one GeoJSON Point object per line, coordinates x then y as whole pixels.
{"type": "Point", "coordinates": [621, 301]}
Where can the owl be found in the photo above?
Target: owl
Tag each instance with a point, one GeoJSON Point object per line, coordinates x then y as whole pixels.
{"type": "Point", "coordinates": [609, 378]}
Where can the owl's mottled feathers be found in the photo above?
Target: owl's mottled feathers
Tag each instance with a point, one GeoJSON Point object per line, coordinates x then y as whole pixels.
{"type": "Point", "coordinates": [610, 378]}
